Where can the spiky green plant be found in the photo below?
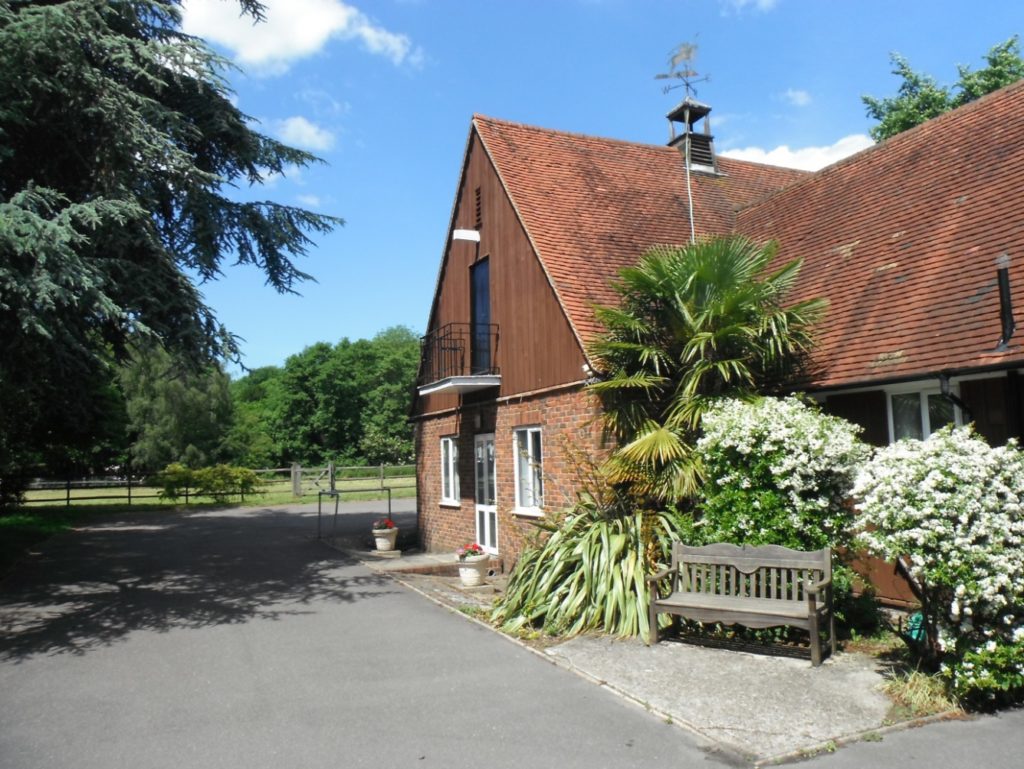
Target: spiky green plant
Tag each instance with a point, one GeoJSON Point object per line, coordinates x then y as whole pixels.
{"type": "Point", "coordinates": [590, 573]}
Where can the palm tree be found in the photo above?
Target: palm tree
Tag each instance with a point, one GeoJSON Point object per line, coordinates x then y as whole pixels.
{"type": "Point", "coordinates": [694, 324]}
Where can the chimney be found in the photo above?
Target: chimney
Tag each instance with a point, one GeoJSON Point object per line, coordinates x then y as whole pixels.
{"type": "Point", "coordinates": [699, 145]}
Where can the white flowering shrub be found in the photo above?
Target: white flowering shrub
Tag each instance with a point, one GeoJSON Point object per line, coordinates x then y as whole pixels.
{"type": "Point", "coordinates": [953, 508]}
{"type": "Point", "coordinates": [778, 472]}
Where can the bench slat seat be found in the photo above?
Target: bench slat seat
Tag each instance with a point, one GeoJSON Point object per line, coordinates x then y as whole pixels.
{"type": "Point", "coordinates": [757, 587]}
{"type": "Point", "coordinates": [736, 604]}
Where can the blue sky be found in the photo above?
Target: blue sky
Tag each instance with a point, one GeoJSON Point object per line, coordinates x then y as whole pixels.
{"type": "Point", "coordinates": [384, 93]}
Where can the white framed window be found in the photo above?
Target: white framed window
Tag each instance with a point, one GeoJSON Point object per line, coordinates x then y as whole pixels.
{"type": "Point", "coordinates": [449, 471]}
{"type": "Point", "coordinates": [919, 413]}
{"type": "Point", "coordinates": [529, 469]}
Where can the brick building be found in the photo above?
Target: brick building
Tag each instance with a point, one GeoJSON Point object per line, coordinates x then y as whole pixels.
{"type": "Point", "coordinates": [911, 241]}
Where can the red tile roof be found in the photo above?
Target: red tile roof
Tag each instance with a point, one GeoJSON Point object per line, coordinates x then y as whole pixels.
{"type": "Point", "coordinates": [592, 206]}
{"type": "Point", "coordinates": [901, 238]}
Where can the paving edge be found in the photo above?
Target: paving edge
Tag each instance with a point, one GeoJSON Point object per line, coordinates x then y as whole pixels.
{"type": "Point", "coordinates": [829, 746]}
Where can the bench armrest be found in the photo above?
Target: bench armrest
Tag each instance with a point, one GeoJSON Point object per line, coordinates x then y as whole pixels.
{"type": "Point", "coordinates": [813, 588]}
{"type": "Point", "coordinates": [654, 579]}
{"type": "Point", "coordinates": [662, 574]}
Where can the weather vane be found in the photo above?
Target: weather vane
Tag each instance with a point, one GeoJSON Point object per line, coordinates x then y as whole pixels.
{"type": "Point", "coordinates": [680, 68]}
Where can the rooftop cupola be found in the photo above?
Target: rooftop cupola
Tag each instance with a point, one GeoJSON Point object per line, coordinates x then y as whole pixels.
{"type": "Point", "coordinates": [697, 146]}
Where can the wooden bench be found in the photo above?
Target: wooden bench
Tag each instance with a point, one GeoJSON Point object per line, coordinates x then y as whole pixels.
{"type": "Point", "coordinates": [757, 587]}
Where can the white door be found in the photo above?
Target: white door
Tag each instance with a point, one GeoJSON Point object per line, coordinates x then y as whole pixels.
{"type": "Point", "coordinates": [486, 509]}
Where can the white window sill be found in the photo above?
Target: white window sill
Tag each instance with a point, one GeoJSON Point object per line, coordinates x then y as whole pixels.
{"type": "Point", "coordinates": [528, 512]}
{"type": "Point", "coordinates": [450, 503]}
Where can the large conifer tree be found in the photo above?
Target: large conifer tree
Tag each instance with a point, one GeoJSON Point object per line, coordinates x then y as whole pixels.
{"type": "Point", "coordinates": [119, 149]}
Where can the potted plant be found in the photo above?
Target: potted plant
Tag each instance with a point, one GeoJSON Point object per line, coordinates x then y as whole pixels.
{"type": "Point", "coordinates": [385, 532]}
{"type": "Point", "coordinates": [473, 564]}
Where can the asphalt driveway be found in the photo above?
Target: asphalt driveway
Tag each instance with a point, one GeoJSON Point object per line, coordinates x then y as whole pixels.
{"type": "Point", "coordinates": [234, 639]}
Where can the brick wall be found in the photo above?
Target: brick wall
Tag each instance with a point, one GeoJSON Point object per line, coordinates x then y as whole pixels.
{"type": "Point", "coordinates": [566, 418]}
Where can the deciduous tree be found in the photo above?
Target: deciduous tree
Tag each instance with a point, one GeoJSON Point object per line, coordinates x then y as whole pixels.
{"type": "Point", "coordinates": [921, 98]}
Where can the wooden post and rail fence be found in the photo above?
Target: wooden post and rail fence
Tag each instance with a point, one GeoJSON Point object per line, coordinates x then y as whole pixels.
{"type": "Point", "coordinates": [300, 481]}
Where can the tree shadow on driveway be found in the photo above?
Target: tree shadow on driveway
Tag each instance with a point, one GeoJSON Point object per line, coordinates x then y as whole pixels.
{"type": "Point", "coordinates": [93, 586]}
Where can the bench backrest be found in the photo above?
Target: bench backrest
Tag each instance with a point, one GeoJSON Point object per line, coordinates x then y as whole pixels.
{"type": "Point", "coordinates": [770, 572]}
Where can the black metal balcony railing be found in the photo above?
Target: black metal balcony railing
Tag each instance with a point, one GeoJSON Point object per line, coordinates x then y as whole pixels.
{"type": "Point", "coordinates": [458, 349]}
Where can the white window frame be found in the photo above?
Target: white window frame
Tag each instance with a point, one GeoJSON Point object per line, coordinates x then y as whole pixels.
{"type": "Point", "coordinates": [450, 471]}
{"type": "Point", "coordinates": [922, 393]}
{"type": "Point", "coordinates": [522, 509]}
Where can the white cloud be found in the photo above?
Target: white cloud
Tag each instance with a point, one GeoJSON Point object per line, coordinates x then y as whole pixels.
{"type": "Point", "coordinates": [301, 132]}
{"type": "Point", "coordinates": [741, 5]}
{"type": "Point", "coordinates": [322, 102]}
{"type": "Point", "coordinates": [309, 201]}
{"type": "Point", "coordinates": [294, 29]}
{"type": "Point", "coordinates": [806, 158]}
{"type": "Point", "coordinates": [797, 97]}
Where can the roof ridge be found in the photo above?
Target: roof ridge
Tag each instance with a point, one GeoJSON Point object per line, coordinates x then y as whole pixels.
{"type": "Point", "coordinates": [613, 140]}
{"type": "Point", "coordinates": [569, 134]}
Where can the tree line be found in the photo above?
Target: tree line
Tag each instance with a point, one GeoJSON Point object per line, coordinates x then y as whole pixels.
{"type": "Point", "coordinates": [347, 403]}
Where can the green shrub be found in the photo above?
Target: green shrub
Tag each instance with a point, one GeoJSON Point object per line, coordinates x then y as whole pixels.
{"type": "Point", "coordinates": [221, 481]}
{"type": "Point", "coordinates": [173, 480]}
{"type": "Point", "coordinates": [590, 573]}
{"type": "Point", "coordinates": [780, 472]}
{"type": "Point", "coordinates": [953, 508]}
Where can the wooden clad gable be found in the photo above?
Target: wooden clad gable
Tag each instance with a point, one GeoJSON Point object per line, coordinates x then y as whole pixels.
{"type": "Point", "coordinates": [535, 346]}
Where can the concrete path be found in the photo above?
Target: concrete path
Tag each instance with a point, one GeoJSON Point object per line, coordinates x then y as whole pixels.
{"type": "Point", "coordinates": [233, 639]}
{"type": "Point", "coordinates": [761, 706]}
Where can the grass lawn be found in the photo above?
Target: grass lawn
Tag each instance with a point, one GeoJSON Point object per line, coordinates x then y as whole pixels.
{"type": "Point", "coordinates": [34, 523]}
{"type": "Point", "coordinates": [20, 531]}
{"type": "Point", "coordinates": [278, 491]}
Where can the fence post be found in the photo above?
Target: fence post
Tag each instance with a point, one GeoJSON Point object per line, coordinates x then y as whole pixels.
{"type": "Point", "coordinates": [382, 477]}
{"type": "Point", "coordinates": [296, 480]}
{"type": "Point", "coordinates": [68, 492]}
{"type": "Point", "coordinates": [129, 488]}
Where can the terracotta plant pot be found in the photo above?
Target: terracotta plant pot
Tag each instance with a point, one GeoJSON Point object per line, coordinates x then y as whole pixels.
{"type": "Point", "coordinates": [385, 538]}
{"type": "Point", "coordinates": [473, 569]}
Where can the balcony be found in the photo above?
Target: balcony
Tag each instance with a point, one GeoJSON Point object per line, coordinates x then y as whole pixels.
{"type": "Point", "coordinates": [459, 358]}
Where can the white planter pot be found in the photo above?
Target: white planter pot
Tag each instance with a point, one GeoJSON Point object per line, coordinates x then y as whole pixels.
{"type": "Point", "coordinates": [473, 570]}
{"type": "Point", "coordinates": [385, 538]}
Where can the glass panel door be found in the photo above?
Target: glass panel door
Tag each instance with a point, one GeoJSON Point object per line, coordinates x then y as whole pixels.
{"type": "Point", "coordinates": [486, 507]}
